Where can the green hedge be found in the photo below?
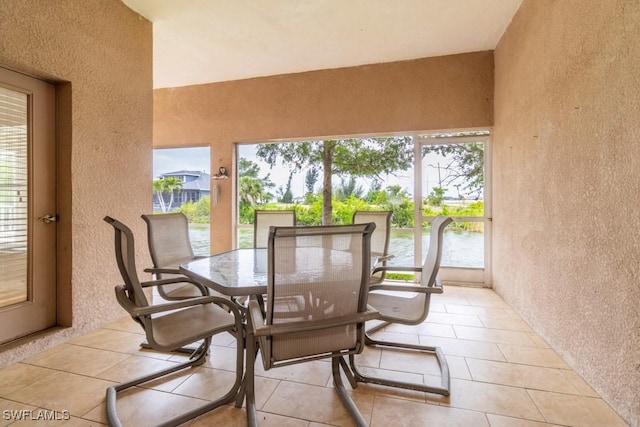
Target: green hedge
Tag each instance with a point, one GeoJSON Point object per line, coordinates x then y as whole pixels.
{"type": "Point", "coordinates": [310, 212]}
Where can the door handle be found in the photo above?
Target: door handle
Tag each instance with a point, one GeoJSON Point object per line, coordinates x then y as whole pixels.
{"type": "Point", "coordinates": [47, 219]}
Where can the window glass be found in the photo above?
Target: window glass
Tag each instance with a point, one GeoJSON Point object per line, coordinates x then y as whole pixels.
{"type": "Point", "coordinates": [182, 183]}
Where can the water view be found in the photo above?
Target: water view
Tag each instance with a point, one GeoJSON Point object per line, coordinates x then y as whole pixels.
{"type": "Point", "coordinates": [452, 184]}
{"type": "Point", "coordinates": [461, 248]}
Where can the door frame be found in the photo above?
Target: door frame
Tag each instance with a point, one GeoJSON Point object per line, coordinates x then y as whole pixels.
{"type": "Point", "coordinates": [455, 275]}
{"type": "Point", "coordinates": [39, 311]}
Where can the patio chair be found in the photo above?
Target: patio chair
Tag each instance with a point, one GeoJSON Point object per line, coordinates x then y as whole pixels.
{"type": "Point", "coordinates": [379, 238]}
{"type": "Point", "coordinates": [317, 303]}
{"type": "Point", "coordinates": [170, 326]}
{"type": "Point", "coordinates": [408, 304]}
{"type": "Point", "coordinates": [170, 246]}
{"type": "Point", "coordinates": [263, 219]}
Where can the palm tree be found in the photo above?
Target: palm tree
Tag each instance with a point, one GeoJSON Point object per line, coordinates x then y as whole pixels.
{"type": "Point", "coordinates": [166, 185]}
{"type": "Point", "coordinates": [251, 190]}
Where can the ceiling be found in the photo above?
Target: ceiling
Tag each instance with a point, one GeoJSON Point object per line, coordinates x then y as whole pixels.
{"type": "Point", "coordinates": [204, 41]}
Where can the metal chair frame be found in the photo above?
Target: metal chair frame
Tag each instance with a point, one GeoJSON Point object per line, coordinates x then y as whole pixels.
{"type": "Point", "coordinates": [161, 332]}
{"type": "Point", "coordinates": [430, 284]}
{"type": "Point", "coordinates": [261, 329]}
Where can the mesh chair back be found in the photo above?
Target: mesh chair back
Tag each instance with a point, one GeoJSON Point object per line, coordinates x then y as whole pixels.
{"type": "Point", "coordinates": [431, 263]}
{"type": "Point", "coordinates": [412, 308]}
{"type": "Point", "coordinates": [168, 237]}
{"type": "Point", "coordinates": [125, 256]}
{"type": "Point", "coordinates": [380, 237]}
{"type": "Point", "coordinates": [317, 274]}
{"type": "Point", "coordinates": [264, 219]}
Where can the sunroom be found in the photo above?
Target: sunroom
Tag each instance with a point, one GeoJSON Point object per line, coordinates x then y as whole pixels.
{"type": "Point", "coordinates": [557, 92]}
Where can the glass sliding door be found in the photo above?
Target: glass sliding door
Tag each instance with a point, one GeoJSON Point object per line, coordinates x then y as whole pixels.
{"type": "Point", "coordinates": [451, 179]}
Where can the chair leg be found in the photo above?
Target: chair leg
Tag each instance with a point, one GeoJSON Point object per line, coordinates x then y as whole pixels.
{"type": "Point", "coordinates": [336, 363]}
{"type": "Point", "coordinates": [198, 358]}
{"type": "Point", "coordinates": [252, 416]}
{"type": "Point", "coordinates": [188, 349]}
{"type": "Point", "coordinates": [444, 388]}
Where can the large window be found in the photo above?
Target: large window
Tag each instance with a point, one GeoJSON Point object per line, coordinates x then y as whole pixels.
{"type": "Point", "coordinates": [414, 176]}
{"type": "Point", "coordinates": [182, 183]}
{"type": "Point", "coordinates": [364, 174]}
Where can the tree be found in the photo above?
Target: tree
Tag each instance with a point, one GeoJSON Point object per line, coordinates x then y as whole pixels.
{"type": "Point", "coordinates": [348, 188]}
{"type": "Point", "coordinates": [248, 168]}
{"type": "Point", "coordinates": [401, 204]}
{"type": "Point", "coordinates": [436, 197]}
{"type": "Point", "coordinates": [395, 199]}
{"type": "Point", "coordinates": [466, 166]}
{"type": "Point", "coordinates": [251, 188]}
{"type": "Point", "coordinates": [310, 179]}
{"type": "Point", "coordinates": [286, 196]}
{"type": "Point", "coordinates": [169, 185]}
{"type": "Point", "coordinates": [197, 212]}
{"type": "Point", "coordinates": [358, 157]}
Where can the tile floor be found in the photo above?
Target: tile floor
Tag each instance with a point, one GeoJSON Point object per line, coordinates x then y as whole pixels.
{"type": "Point", "coordinates": [502, 375]}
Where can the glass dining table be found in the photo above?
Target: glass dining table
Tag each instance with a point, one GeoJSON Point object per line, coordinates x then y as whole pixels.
{"type": "Point", "coordinates": [242, 273]}
{"type": "Point", "coordinates": [237, 273]}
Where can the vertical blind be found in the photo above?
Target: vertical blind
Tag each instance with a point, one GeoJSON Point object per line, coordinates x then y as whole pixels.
{"type": "Point", "coordinates": [13, 194]}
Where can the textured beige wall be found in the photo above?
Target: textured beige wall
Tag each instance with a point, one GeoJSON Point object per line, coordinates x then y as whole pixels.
{"type": "Point", "coordinates": [566, 170]}
{"type": "Point", "coordinates": [433, 93]}
{"type": "Point", "coordinates": [100, 54]}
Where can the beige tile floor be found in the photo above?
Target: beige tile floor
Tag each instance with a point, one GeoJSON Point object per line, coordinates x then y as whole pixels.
{"type": "Point", "coordinates": [502, 375]}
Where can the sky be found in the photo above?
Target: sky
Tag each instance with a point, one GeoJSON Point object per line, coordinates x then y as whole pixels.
{"type": "Point", "coordinates": [280, 175]}
{"type": "Point", "coordinates": [174, 159]}
{"type": "Point", "coordinates": [198, 158]}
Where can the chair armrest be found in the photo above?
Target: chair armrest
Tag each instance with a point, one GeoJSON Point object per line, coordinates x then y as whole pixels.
{"type": "Point", "coordinates": [156, 270]}
{"type": "Point", "coordinates": [383, 258]}
{"type": "Point", "coordinates": [169, 281]}
{"type": "Point", "coordinates": [159, 308]}
{"type": "Point", "coordinates": [182, 279]}
{"type": "Point", "coordinates": [260, 329]}
{"type": "Point", "coordinates": [436, 289]}
{"type": "Point", "coordinates": [397, 268]}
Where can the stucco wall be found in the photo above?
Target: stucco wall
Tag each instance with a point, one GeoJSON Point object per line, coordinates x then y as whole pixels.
{"type": "Point", "coordinates": [99, 53]}
{"type": "Point", "coordinates": [434, 93]}
{"type": "Point", "coordinates": [566, 169]}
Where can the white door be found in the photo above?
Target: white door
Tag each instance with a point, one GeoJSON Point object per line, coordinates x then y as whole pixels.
{"type": "Point", "coordinates": [27, 206]}
{"type": "Point", "coordinates": [452, 179]}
